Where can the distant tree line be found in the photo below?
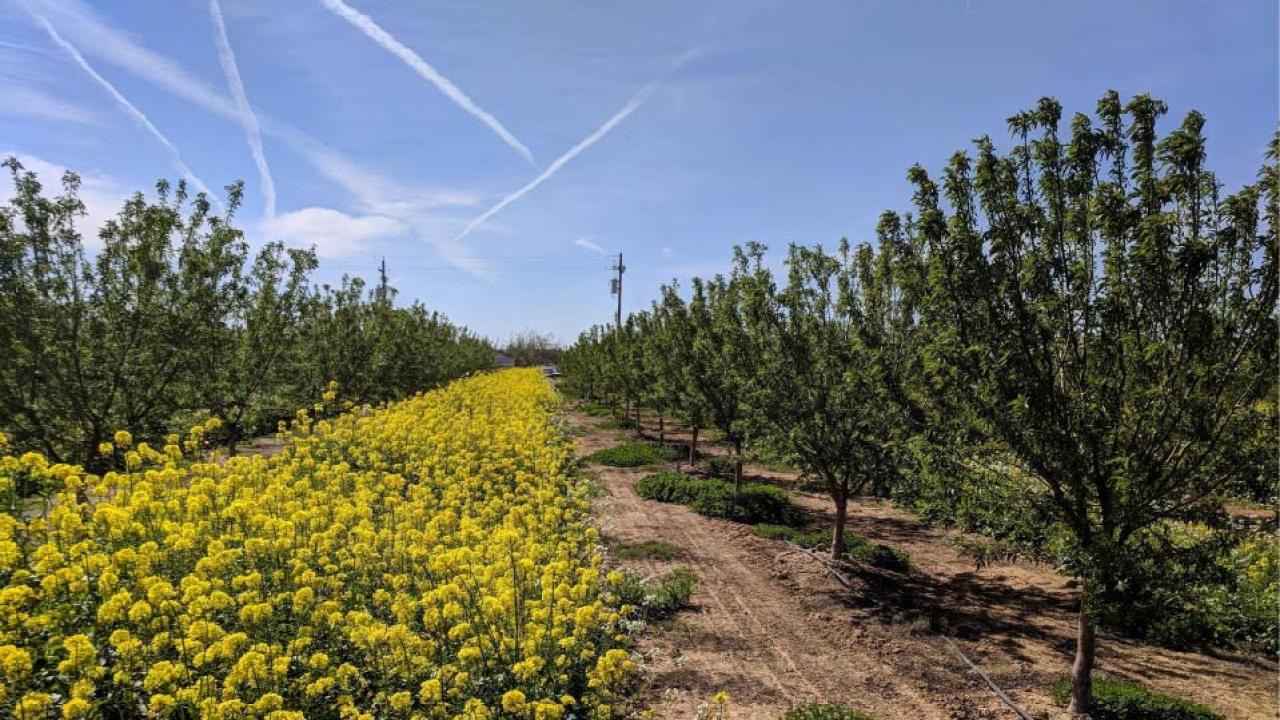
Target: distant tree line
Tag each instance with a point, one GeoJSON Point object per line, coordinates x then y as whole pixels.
{"type": "Point", "coordinates": [530, 347]}
{"type": "Point", "coordinates": [171, 316]}
{"type": "Point", "coordinates": [1083, 329]}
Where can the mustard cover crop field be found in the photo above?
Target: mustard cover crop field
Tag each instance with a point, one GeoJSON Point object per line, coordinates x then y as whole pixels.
{"type": "Point", "coordinates": [429, 559]}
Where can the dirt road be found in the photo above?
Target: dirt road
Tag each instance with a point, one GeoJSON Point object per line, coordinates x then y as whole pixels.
{"type": "Point", "coordinates": [774, 629]}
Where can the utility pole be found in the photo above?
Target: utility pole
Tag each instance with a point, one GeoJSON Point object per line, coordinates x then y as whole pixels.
{"type": "Point", "coordinates": [615, 286]}
{"type": "Point", "coordinates": [382, 280]}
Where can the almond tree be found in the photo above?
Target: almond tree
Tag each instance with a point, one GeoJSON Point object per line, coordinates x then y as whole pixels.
{"type": "Point", "coordinates": [1099, 308]}
{"type": "Point", "coordinates": [93, 344]}
{"type": "Point", "coordinates": [659, 377]}
{"type": "Point", "coordinates": [720, 369]}
{"type": "Point", "coordinates": [677, 363]}
{"type": "Point", "coordinates": [245, 372]}
{"type": "Point", "coordinates": [583, 364]}
{"type": "Point", "coordinates": [827, 344]}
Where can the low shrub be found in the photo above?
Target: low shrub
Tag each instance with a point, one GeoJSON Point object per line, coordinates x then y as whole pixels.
{"type": "Point", "coordinates": [720, 466]}
{"type": "Point", "coordinates": [1194, 585]}
{"type": "Point", "coordinates": [754, 503]}
{"type": "Point", "coordinates": [824, 711]}
{"type": "Point", "coordinates": [882, 556]}
{"type": "Point", "coordinates": [1189, 583]}
{"type": "Point", "coordinates": [1117, 700]}
{"type": "Point", "coordinates": [648, 550]}
{"type": "Point", "coordinates": [672, 487]}
{"type": "Point", "coordinates": [628, 588]}
{"type": "Point", "coordinates": [670, 592]}
{"type": "Point", "coordinates": [635, 454]}
{"type": "Point", "coordinates": [856, 547]}
{"type": "Point", "coordinates": [656, 598]}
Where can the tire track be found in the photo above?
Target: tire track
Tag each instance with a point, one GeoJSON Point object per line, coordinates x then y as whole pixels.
{"type": "Point", "coordinates": [780, 659]}
{"type": "Point", "coordinates": [708, 575]}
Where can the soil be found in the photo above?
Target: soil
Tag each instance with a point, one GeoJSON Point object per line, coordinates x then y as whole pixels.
{"type": "Point", "coordinates": [266, 446]}
{"type": "Point", "coordinates": [773, 628]}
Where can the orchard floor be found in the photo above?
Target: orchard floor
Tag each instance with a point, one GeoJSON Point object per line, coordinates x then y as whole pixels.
{"type": "Point", "coordinates": [772, 628]}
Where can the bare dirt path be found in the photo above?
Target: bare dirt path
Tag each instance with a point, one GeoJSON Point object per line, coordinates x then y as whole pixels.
{"type": "Point", "coordinates": [773, 629]}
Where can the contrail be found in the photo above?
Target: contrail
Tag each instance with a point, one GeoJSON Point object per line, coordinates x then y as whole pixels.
{"type": "Point", "coordinates": [374, 192]}
{"type": "Point", "coordinates": [366, 25]}
{"type": "Point", "coordinates": [247, 117]}
{"type": "Point", "coordinates": [134, 112]}
{"type": "Point", "coordinates": [560, 162]}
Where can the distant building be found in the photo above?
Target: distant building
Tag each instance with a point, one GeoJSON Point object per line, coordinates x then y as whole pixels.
{"type": "Point", "coordinates": [551, 371]}
{"type": "Point", "coordinates": [503, 360]}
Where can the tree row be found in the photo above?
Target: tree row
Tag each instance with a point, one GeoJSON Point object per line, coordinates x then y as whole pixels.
{"type": "Point", "coordinates": [169, 316]}
{"type": "Point", "coordinates": [1086, 317]}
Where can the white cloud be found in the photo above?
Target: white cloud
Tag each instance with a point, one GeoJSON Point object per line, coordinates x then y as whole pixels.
{"type": "Point", "coordinates": [334, 233]}
{"type": "Point", "coordinates": [102, 195]}
{"type": "Point", "coordinates": [585, 243]}
{"type": "Point", "coordinates": [667, 253]}
{"type": "Point", "coordinates": [382, 195]}
{"type": "Point", "coordinates": [33, 103]}
{"type": "Point", "coordinates": [460, 257]}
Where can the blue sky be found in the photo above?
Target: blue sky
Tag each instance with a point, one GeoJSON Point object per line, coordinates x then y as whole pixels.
{"type": "Point", "coordinates": [495, 152]}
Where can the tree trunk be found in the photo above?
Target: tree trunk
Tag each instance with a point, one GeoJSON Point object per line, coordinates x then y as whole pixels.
{"type": "Point", "coordinates": [737, 466]}
{"type": "Point", "coordinates": [841, 498]}
{"type": "Point", "coordinates": [693, 447]}
{"type": "Point", "coordinates": [662, 430]}
{"type": "Point", "coordinates": [94, 462]}
{"type": "Point", "coordinates": [1082, 669]}
{"type": "Point", "coordinates": [233, 436]}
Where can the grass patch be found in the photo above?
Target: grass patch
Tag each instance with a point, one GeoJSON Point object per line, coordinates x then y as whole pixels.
{"type": "Point", "coordinates": [617, 424]}
{"type": "Point", "coordinates": [984, 551]}
{"type": "Point", "coordinates": [824, 711]}
{"type": "Point", "coordinates": [856, 547]}
{"type": "Point", "coordinates": [636, 454]}
{"type": "Point", "coordinates": [656, 598]}
{"type": "Point", "coordinates": [595, 488]}
{"type": "Point", "coordinates": [803, 538]}
{"type": "Point", "coordinates": [568, 429]}
{"type": "Point", "coordinates": [779, 466]}
{"type": "Point", "coordinates": [754, 503]}
{"type": "Point", "coordinates": [1117, 700]}
{"type": "Point", "coordinates": [648, 550]}
{"type": "Point", "coordinates": [598, 409]}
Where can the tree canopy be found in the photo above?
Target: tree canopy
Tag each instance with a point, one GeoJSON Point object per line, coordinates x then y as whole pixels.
{"type": "Point", "coordinates": [169, 315]}
{"type": "Point", "coordinates": [1083, 327]}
